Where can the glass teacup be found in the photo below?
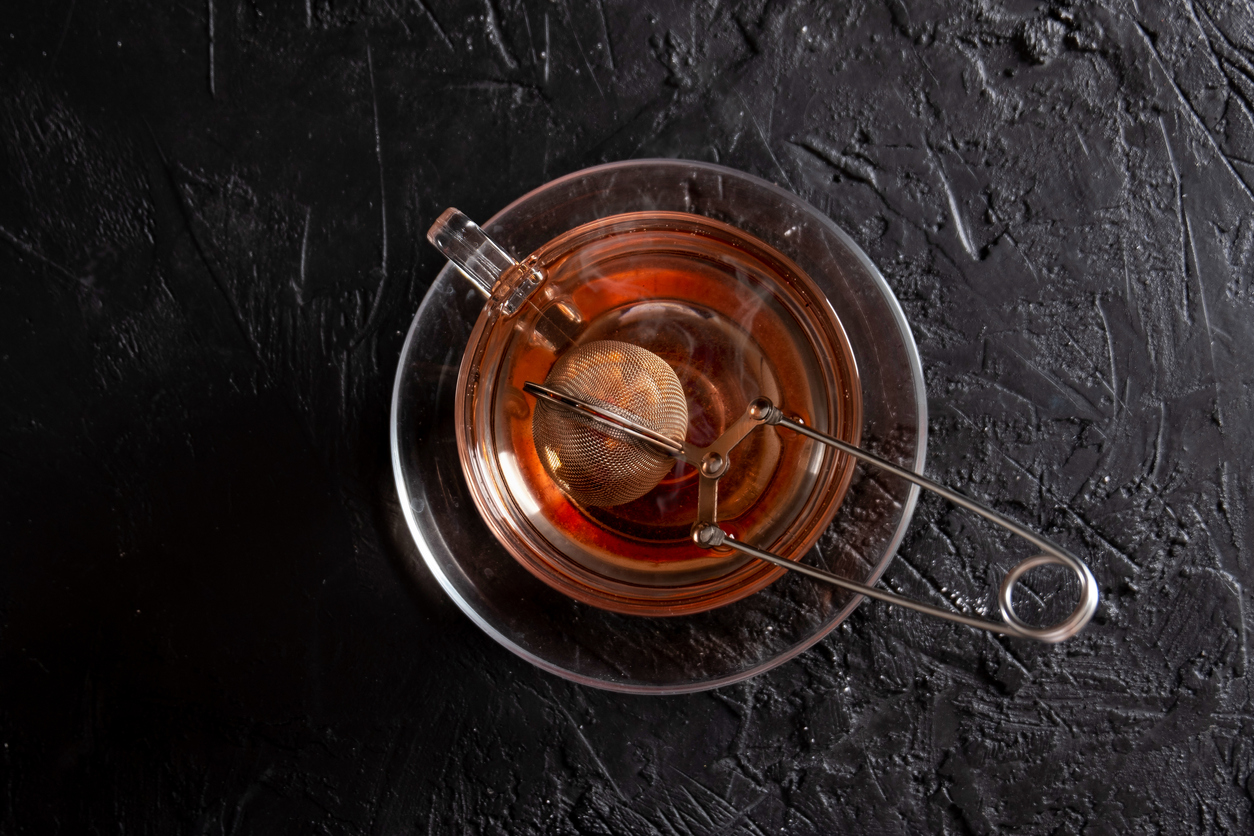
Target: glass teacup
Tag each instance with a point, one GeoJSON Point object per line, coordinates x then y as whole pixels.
{"type": "Point", "coordinates": [736, 320]}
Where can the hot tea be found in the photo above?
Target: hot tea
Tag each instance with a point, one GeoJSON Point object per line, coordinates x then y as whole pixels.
{"type": "Point", "coordinates": [735, 320]}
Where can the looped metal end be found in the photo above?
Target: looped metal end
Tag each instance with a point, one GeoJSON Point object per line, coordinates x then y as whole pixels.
{"type": "Point", "coordinates": [1070, 625]}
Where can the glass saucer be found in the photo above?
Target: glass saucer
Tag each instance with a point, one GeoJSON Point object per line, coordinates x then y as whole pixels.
{"type": "Point", "coordinates": [682, 653]}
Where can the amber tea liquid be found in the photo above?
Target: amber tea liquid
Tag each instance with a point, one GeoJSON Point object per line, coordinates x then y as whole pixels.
{"type": "Point", "coordinates": [735, 320]}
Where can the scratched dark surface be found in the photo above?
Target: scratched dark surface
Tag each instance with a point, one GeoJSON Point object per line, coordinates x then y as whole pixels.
{"type": "Point", "coordinates": [211, 220]}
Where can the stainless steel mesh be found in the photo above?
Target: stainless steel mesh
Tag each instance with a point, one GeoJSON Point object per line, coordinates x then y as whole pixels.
{"type": "Point", "coordinates": [593, 463]}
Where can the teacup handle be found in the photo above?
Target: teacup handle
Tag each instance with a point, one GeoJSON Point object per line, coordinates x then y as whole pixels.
{"type": "Point", "coordinates": [493, 271]}
{"type": "Point", "coordinates": [462, 242]}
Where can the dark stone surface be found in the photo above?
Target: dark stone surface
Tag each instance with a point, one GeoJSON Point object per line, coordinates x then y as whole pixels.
{"type": "Point", "coordinates": [211, 219]}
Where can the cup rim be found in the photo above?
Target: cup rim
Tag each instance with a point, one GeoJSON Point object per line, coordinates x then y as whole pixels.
{"type": "Point", "coordinates": [620, 595]}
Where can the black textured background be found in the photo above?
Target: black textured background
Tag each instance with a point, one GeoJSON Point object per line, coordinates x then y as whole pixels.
{"type": "Point", "coordinates": [211, 219]}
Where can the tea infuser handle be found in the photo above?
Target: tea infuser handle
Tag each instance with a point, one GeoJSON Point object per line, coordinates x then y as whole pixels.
{"type": "Point", "coordinates": [712, 536]}
{"type": "Point", "coordinates": [462, 242]}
